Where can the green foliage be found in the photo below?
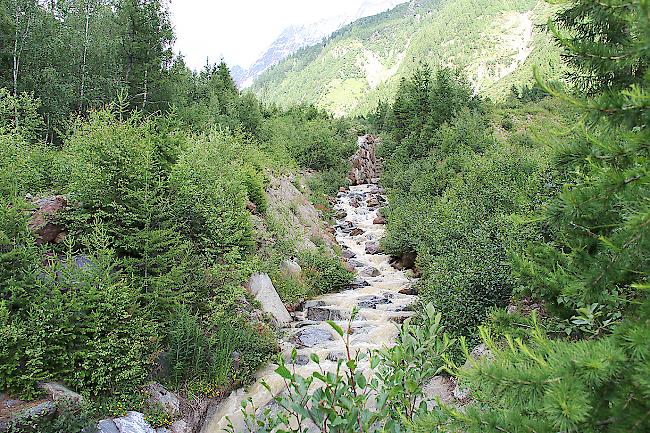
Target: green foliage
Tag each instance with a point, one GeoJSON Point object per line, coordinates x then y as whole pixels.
{"type": "Point", "coordinates": [209, 203]}
{"type": "Point", "coordinates": [364, 62]}
{"type": "Point", "coordinates": [323, 272]}
{"type": "Point", "coordinates": [591, 270]}
{"type": "Point", "coordinates": [82, 313]}
{"type": "Point", "coordinates": [69, 418]}
{"type": "Point", "coordinates": [349, 399]}
{"type": "Point", "coordinates": [453, 187]}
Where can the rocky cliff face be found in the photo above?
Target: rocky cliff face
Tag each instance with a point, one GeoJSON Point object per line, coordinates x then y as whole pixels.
{"type": "Point", "coordinates": [365, 166]}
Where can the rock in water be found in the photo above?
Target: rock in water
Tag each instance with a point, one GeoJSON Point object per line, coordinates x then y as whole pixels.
{"type": "Point", "coordinates": [262, 288]}
{"type": "Point", "coordinates": [369, 271]}
{"type": "Point", "coordinates": [372, 248]}
{"type": "Point", "coordinates": [311, 337]}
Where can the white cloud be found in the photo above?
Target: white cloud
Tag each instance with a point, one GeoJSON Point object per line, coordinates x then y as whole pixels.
{"type": "Point", "coordinates": [240, 30]}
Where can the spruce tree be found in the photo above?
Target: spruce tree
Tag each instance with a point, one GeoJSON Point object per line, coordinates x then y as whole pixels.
{"type": "Point", "coordinates": [594, 270]}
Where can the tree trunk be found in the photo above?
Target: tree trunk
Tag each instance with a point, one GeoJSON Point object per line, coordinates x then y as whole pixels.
{"type": "Point", "coordinates": [15, 53]}
{"type": "Point", "coordinates": [84, 57]}
{"type": "Point", "coordinates": [144, 98]}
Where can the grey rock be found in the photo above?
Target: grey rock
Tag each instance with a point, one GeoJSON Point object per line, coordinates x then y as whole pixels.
{"type": "Point", "coordinates": [335, 356]}
{"type": "Point", "coordinates": [373, 247]}
{"type": "Point", "coordinates": [59, 392]}
{"type": "Point", "coordinates": [370, 272]}
{"type": "Point", "coordinates": [107, 426]}
{"type": "Point", "coordinates": [359, 283]}
{"type": "Point", "coordinates": [365, 166]}
{"type": "Point", "coordinates": [289, 268]}
{"type": "Point", "coordinates": [372, 301]}
{"type": "Point", "coordinates": [461, 394]}
{"type": "Point", "coordinates": [163, 430]}
{"type": "Point", "coordinates": [438, 388]}
{"type": "Point", "coordinates": [401, 316]}
{"type": "Point", "coordinates": [481, 351]}
{"type": "Point", "coordinates": [355, 263]}
{"type": "Point", "coordinates": [310, 337]}
{"type": "Point", "coordinates": [348, 254]}
{"type": "Point", "coordinates": [301, 359]}
{"type": "Point", "coordinates": [262, 288]}
{"type": "Point", "coordinates": [180, 426]}
{"type": "Point", "coordinates": [43, 410]}
{"type": "Point", "coordinates": [12, 403]}
{"type": "Point", "coordinates": [168, 400]}
{"type": "Point", "coordinates": [320, 314]}
{"type": "Point", "coordinates": [133, 422]}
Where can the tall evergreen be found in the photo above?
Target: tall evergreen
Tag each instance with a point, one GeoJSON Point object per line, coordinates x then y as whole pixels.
{"type": "Point", "coordinates": [593, 271]}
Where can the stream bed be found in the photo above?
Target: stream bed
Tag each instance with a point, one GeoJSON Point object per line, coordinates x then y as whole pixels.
{"type": "Point", "coordinates": [376, 291]}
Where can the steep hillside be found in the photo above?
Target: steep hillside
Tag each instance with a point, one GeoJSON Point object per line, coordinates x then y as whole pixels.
{"type": "Point", "coordinates": [296, 37]}
{"type": "Point", "coordinates": [495, 42]}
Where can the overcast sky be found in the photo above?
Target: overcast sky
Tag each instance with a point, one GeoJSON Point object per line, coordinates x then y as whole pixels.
{"type": "Point", "coordinates": [241, 30]}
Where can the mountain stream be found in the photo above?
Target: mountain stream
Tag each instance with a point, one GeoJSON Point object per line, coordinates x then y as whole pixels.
{"type": "Point", "coordinates": [376, 290]}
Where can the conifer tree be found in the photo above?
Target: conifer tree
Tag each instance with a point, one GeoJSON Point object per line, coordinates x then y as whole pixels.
{"type": "Point", "coordinates": [594, 271]}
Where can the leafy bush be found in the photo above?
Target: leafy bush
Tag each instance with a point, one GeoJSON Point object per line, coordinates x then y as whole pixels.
{"type": "Point", "coordinates": [453, 188]}
{"type": "Point", "coordinates": [26, 168]}
{"type": "Point", "coordinates": [323, 272]}
{"type": "Point", "coordinates": [349, 399]}
{"type": "Point", "coordinates": [84, 327]}
{"type": "Point", "coordinates": [210, 203]}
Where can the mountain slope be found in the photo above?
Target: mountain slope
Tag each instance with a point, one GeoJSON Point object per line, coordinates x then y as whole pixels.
{"type": "Point", "coordinates": [296, 37]}
{"type": "Point", "coordinates": [494, 41]}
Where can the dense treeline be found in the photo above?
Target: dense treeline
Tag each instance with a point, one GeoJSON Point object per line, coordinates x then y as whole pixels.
{"type": "Point", "coordinates": [530, 223]}
{"type": "Point", "coordinates": [567, 228]}
{"type": "Point", "coordinates": [157, 170]}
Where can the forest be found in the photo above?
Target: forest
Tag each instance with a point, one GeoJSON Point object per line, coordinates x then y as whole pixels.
{"type": "Point", "coordinates": [135, 202]}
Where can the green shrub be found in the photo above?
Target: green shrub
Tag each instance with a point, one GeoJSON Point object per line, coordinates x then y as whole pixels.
{"type": "Point", "coordinates": [387, 398]}
{"type": "Point", "coordinates": [84, 327]}
{"type": "Point", "coordinates": [291, 290]}
{"type": "Point", "coordinates": [210, 196]}
{"type": "Point", "coordinates": [323, 272]}
{"type": "Point", "coordinates": [254, 180]}
{"type": "Point", "coordinates": [26, 168]}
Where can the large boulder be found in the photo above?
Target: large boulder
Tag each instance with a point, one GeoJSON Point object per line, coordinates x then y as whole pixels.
{"type": "Point", "coordinates": [365, 166]}
{"type": "Point", "coordinates": [42, 223]}
{"type": "Point", "coordinates": [133, 422]}
{"type": "Point", "coordinates": [262, 289]}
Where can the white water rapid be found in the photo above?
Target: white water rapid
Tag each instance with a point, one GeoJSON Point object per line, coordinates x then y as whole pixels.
{"type": "Point", "coordinates": [375, 291]}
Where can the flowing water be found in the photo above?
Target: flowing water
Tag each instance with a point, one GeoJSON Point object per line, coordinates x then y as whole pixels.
{"type": "Point", "coordinates": [375, 291]}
